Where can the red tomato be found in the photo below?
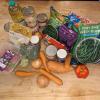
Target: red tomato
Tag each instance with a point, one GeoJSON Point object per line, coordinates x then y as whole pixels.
{"type": "Point", "coordinates": [82, 71]}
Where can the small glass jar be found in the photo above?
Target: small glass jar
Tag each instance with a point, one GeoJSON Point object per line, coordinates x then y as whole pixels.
{"type": "Point", "coordinates": [51, 52]}
{"type": "Point", "coordinates": [34, 47]}
{"type": "Point", "coordinates": [61, 55]}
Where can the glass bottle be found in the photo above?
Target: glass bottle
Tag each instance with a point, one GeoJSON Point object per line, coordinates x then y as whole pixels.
{"type": "Point", "coordinates": [15, 11]}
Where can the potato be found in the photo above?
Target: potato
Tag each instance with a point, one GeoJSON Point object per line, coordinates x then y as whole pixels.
{"type": "Point", "coordinates": [42, 81]}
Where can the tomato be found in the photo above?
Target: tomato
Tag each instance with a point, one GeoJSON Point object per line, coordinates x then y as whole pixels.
{"type": "Point", "coordinates": [82, 71]}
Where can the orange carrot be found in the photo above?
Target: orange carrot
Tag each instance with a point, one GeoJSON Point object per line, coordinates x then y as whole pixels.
{"type": "Point", "coordinates": [24, 74]}
{"type": "Point", "coordinates": [52, 77]}
{"type": "Point", "coordinates": [67, 62]}
{"type": "Point", "coordinates": [44, 60]}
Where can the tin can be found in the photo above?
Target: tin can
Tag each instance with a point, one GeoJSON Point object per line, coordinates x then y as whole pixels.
{"type": "Point", "coordinates": [61, 55]}
{"type": "Point", "coordinates": [51, 52]}
{"type": "Point", "coordinates": [42, 19]}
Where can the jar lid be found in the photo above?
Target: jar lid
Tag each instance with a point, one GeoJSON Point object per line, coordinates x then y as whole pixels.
{"type": "Point", "coordinates": [12, 3]}
{"type": "Point", "coordinates": [51, 50]}
{"type": "Point", "coordinates": [42, 17]}
{"type": "Point", "coordinates": [28, 11]}
{"type": "Point", "coordinates": [61, 53]}
{"type": "Point", "coordinates": [34, 39]}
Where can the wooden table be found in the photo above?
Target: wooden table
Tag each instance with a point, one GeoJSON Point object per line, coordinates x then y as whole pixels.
{"type": "Point", "coordinates": [15, 88]}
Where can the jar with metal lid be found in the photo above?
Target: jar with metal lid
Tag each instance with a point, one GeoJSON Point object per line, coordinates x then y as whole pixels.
{"type": "Point", "coordinates": [61, 55]}
{"type": "Point", "coordinates": [35, 47]}
{"type": "Point", "coordinates": [51, 52]}
{"type": "Point", "coordinates": [31, 50]}
{"type": "Point", "coordinates": [28, 11]}
{"type": "Point", "coordinates": [42, 19]}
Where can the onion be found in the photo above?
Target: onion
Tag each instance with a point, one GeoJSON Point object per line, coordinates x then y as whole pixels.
{"type": "Point", "coordinates": [36, 63]}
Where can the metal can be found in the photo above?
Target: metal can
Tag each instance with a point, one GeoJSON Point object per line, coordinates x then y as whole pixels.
{"type": "Point", "coordinates": [42, 19]}
{"type": "Point", "coordinates": [61, 55]}
{"type": "Point", "coordinates": [51, 52]}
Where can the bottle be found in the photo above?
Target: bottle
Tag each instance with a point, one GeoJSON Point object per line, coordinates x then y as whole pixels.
{"type": "Point", "coordinates": [15, 11]}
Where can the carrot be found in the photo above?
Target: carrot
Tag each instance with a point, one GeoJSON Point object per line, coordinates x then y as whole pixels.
{"type": "Point", "coordinates": [44, 60]}
{"type": "Point", "coordinates": [52, 77]}
{"type": "Point", "coordinates": [24, 74]}
{"type": "Point", "coordinates": [67, 62]}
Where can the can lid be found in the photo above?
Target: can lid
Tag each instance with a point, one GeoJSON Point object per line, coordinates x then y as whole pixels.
{"type": "Point", "coordinates": [51, 50]}
{"type": "Point", "coordinates": [34, 39]}
{"type": "Point", "coordinates": [61, 53]}
{"type": "Point", "coordinates": [42, 17]}
{"type": "Point", "coordinates": [12, 3]}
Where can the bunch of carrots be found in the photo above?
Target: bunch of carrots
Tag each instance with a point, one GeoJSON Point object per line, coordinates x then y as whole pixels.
{"type": "Point", "coordinates": [46, 70]}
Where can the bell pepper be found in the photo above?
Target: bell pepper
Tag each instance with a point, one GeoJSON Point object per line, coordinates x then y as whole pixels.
{"type": "Point", "coordinates": [82, 71]}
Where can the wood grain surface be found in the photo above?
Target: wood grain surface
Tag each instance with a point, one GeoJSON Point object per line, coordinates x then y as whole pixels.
{"type": "Point", "coordinates": [15, 88]}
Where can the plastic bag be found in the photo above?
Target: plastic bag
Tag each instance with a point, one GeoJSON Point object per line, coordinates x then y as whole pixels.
{"type": "Point", "coordinates": [86, 48]}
